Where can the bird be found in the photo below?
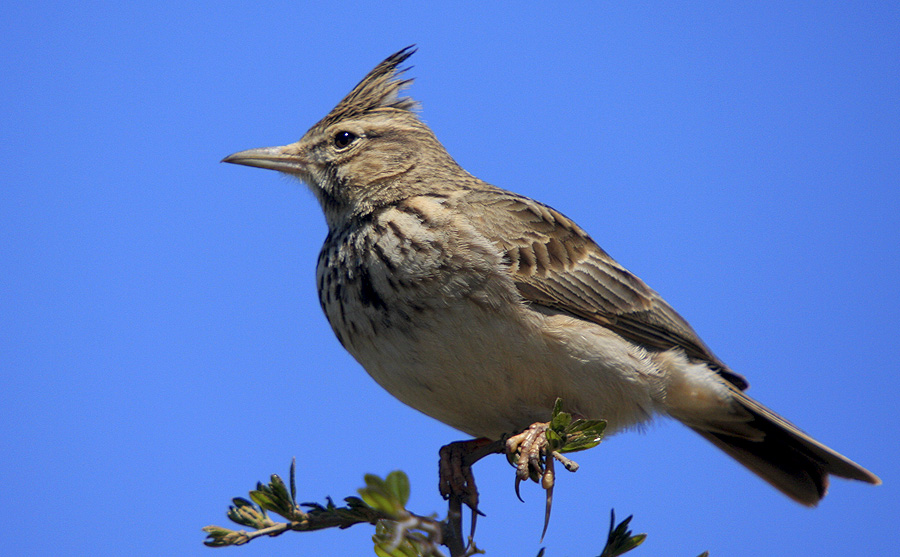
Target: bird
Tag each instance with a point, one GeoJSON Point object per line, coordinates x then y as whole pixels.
{"type": "Point", "coordinates": [480, 307]}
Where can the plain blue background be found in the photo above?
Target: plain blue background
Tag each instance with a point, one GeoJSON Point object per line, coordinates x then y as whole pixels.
{"type": "Point", "coordinates": [162, 347]}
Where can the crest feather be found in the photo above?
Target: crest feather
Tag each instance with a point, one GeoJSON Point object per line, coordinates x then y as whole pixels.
{"type": "Point", "coordinates": [378, 90]}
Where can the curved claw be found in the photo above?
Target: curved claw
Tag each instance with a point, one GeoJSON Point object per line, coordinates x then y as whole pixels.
{"type": "Point", "coordinates": [547, 482]}
{"type": "Point", "coordinates": [547, 511]}
{"type": "Point", "coordinates": [528, 452]}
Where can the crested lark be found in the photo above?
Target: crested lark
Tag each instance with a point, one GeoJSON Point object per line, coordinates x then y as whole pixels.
{"type": "Point", "coordinates": [480, 307]}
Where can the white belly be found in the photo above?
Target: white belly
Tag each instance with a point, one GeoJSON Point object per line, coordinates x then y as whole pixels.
{"type": "Point", "coordinates": [488, 372]}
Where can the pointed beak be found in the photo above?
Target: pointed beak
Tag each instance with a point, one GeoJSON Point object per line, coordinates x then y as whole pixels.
{"type": "Point", "coordinates": [283, 159]}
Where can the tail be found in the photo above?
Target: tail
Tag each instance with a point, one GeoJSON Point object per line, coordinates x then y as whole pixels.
{"type": "Point", "coordinates": [778, 452]}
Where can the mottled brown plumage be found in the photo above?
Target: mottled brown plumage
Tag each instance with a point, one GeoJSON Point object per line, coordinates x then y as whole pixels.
{"type": "Point", "coordinates": [480, 307]}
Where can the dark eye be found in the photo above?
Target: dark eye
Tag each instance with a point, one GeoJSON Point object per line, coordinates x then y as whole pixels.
{"type": "Point", "coordinates": [342, 139]}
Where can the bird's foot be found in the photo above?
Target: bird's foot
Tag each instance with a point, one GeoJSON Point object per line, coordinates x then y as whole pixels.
{"type": "Point", "coordinates": [532, 452]}
{"type": "Point", "coordinates": [527, 451]}
{"type": "Point", "coordinates": [455, 473]}
{"type": "Point", "coordinates": [456, 480]}
{"type": "Point", "coordinates": [533, 455]}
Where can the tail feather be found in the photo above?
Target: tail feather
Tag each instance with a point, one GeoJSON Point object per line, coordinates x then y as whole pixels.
{"type": "Point", "coordinates": [783, 455]}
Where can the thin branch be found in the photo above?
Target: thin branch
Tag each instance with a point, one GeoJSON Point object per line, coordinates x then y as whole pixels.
{"type": "Point", "coordinates": [382, 502]}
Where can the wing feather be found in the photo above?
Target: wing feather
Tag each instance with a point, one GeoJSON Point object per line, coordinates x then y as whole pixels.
{"type": "Point", "coordinates": [555, 264]}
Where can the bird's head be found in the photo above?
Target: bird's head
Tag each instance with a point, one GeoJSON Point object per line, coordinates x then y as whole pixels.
{"type": "Point", "coordinates": [367, 152]}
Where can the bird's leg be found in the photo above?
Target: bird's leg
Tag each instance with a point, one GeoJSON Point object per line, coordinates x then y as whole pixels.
{"type": "Point", "coordinates": [457, 482]}
{"type": "Point", "coordinates": [530, 452]}
{"type": "Point", "coordinates": [455, 470]}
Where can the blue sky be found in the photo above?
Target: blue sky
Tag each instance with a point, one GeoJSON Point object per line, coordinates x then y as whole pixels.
{"type": "Point", "coordinates": [161, 344]}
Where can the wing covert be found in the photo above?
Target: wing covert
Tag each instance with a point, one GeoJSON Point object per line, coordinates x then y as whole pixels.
{"type": "Point", "coordinates": [555, 264]}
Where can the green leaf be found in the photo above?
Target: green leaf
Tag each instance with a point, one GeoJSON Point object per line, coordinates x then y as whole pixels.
{"type": "Point", "coordinates": [388, 496]}
{"type": "Point", "coordinates": [554, 439]}
{"type": "Point", "coordinates": [216, 531]}
{"type": "Point", "coordinates": [557, 407]}
{"type": "Point", "coordinates": [262, 499]}
{"type": "Point", "coordinates": [404, 549]}
{"type": "Point", "coordinates": [280, 492]}
{"type": "Point", "coordinates": [246, 514]}
{"type": "Point", "coordinates": [217, 536]}
{"type": "Point", "coordinates": [566, 435]}
{"type": "Point", "coordinates": [293, 477]}
{"type": "Point", "coordinates": [377, 501]}
{"type": "Point", "coordinates": [397, 484]}
{"type": "Point", "coordinates": [559, 420]}
{"type": "Point", "coordinates": [583, 435]}
{"type": "Point", "coordinates": [620, 540]}
{"type": "Point", "coordinates": [579, 426]}
{"type": "Point", "coordinates": [241, 502]}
